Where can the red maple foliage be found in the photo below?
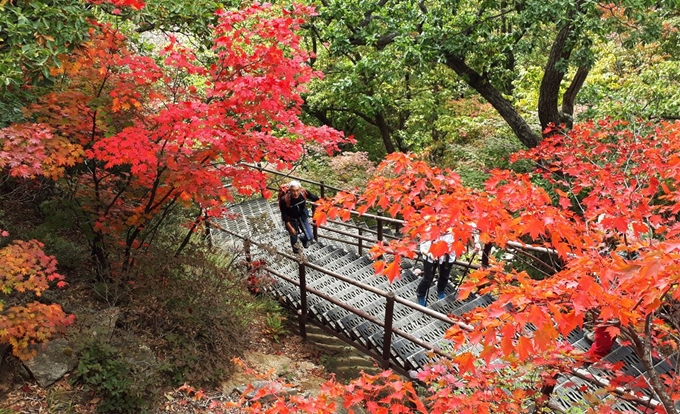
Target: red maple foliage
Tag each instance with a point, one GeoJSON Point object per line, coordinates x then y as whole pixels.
{"type": "Point", "coordinates": [607, 206]}
{"type": "Point", "coordinates": [25, 268]}
{"type": "Point", "coordinates": [148, 135]}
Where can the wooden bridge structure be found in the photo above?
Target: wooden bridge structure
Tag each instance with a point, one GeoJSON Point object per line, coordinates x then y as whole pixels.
{"type": "Point", "coordinates": [333, 285]}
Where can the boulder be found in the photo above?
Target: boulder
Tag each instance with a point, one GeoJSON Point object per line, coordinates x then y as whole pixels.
{"type": "Point", "coordinates": [100, 325]}
{"type": "Point", "coordinates": [54, 359]}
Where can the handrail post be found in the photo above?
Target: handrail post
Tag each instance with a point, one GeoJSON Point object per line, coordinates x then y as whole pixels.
{"type": "Point", "coordinates": [380, 233]}
{"type": "Point", "coordinates": [246, 250]}
{"type": "Point", "coordinates": [315, 227]}
{"type": "Point", "coordinates": [485, 254]}
{"type": "Point", "coordinates": [387, 338]}
{"type": "Point", "coordinates": [322, 194]}
{"type": "Point", "coordinates": [361, 244]}
{"type": "Point", "coordinates": [303, 299]}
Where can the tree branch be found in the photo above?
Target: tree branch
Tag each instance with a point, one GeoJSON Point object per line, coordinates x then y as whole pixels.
{"type": "Point", "coordinates": [482, 85]}
{"type": "Point", "coordinates": [570, 95]}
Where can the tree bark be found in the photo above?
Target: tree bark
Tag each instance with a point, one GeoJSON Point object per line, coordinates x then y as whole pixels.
{"type": "Point", "coordinates": [518, 125]}
{"type": "Point", "coordinates": [385, 133]}
{"type": "Point", "coordinates": [646, 357]}
{"type": "Point", "coordinates": [99, 257]}
{"type": "Point", "coordinates": [567, 116]}
{"type": "Point", "coordinates": [548, 112]}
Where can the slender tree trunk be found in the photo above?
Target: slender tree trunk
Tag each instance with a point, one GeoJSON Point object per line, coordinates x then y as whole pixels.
{"type": "Point", "coordinates": [643, 348]}
{"type": "Point", "coordinates": [548, 112]}
{"type": "Point", "coordinates": [553, 75]}
{"type": "Point", "coordinates": [100, 258]}
{"type": "Point", "coordinates": [190, 233]}
{"type": "Point", "coordinates": [570, 96]}
{"type": "Point", "coordinates": [655, 381]}
{"type": "Point", "coordinates": [385, 133]}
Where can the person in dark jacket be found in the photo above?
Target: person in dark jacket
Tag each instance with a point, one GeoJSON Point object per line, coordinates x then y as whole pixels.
{"type": "Point", "coordinates": [293, 206]}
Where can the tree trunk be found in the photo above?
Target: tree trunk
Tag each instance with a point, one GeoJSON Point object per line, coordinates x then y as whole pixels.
{"type": "Point", "coordinates": [190, 233]}
{"type": "Point", "coordinates": [385, 133]}
{"type": "Point", "coordinates": [518, 125]}
{"type": "Point", "coordinates": [646, 357]}
{"type": "Point", "coordinates": [567, 116]}
{"type": "Point", "coordinates": [100, 258]}
{"type": "Point", "coordinates": [548, 112]}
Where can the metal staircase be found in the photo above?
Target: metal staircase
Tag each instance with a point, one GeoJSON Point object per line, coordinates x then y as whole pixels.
{"type": "Point", "coordinates": [359, 288]}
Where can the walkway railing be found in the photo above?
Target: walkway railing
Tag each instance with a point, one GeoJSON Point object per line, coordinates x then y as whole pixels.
{"type": "Point", "coordinates": [390, 300]}
{"type": "Point", "coordinates": [381, 222]}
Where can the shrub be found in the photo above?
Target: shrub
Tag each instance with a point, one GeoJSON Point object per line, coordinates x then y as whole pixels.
{"type": "Point", "coordinates": [106, 374]}
{"type": "Point", "coordinates": [199, 306]}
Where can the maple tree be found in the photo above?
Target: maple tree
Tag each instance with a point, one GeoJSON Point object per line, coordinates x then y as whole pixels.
{"type": "Point", "coordinates": [607, 206]}
{"type": "Point", "coordinates": [24, 269]}
{"type": "Point", "coordinates": [142, 137]}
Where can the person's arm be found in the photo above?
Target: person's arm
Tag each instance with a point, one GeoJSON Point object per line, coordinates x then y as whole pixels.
{"type": "Point", "coordinates": [312, 197]}
{"type": "Point", "coordinates": [285, 217]}
{"type": "Point", "coordinates": [290, 228]}
{"type": "Point", "coordinates": [449, 239]}
{"type": "Point", "coordinates": [425, 250]}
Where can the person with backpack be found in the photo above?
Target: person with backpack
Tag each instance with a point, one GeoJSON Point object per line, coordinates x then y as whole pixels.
{"type": "Point", "coordinates": [293, 206]}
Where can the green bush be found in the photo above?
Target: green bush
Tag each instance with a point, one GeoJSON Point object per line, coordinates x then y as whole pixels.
{"type": "Point", "coordinates": [69, 255]}
{"type": "Point", "coordinates": [102, 371]}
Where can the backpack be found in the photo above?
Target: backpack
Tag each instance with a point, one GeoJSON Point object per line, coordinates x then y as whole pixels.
{"type": "Point", "coordinates": [285, 194]}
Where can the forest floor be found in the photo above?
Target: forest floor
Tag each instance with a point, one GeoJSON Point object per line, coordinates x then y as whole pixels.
{"type": "Point", "coordinates": [146, 325]}
{"type": "Point", "coordinates": [303, 364]}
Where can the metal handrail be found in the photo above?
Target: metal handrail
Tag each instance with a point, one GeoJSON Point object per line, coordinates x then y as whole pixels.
{"type": "Point", "coordinates": [303, 263]}
{"type": "Point", "coordinates": [304, 180]}
{"type": "Point", "coordinates": [322, 185]}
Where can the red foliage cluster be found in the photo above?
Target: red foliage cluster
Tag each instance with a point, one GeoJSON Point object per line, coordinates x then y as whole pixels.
{"type": "Point", "coordinates": [24, 267]}
{"type": "Point", "coordinates": [147, 136]}
{"type": "Point", "coordinates": [607, 205]}
{"type": "Point", "coordinates": [131, 138]}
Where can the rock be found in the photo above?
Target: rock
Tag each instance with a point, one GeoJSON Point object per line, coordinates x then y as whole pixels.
{"type": "Point", "coordinates": [54, 359]}
{"type": "Point", "coordinates": [100, 324]}
{"type": "Point", "coordinates": [103, 323]}
{"type": "Point", "coordinates": [142, 359]}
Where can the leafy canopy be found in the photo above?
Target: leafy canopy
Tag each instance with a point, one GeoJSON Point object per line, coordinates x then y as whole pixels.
{"type": "Point", "coordinates": [141, 137]}
{"type": "Point", "coordinates": [608, 208]}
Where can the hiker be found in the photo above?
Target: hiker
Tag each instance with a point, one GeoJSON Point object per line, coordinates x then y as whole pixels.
{"type": "Point", "coordinates": [602, 340]}
{"type": "Point", "coordinates": [430, 263]}
{"type": "Point", "coordinates": [293, 205]}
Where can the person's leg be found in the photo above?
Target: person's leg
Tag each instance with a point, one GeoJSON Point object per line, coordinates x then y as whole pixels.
{"type": "Point", "coordinates": [306, 234]}
{"type": "Point", "coordinates": [294, 237]}
{"type": "Point", "coordinates": [307, 227]}
{"type": "Point", "coordinates": [444, 273]}
{"type": "Point", "coordinates": [425, 282]}
{"type": "Point", "coordinates": [293, 241]}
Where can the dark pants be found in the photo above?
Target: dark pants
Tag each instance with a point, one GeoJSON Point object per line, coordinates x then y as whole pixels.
{"type": "Point", "coordinates": [428, 276]}
{"type": "Point", "coordinates": [303, 228]}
